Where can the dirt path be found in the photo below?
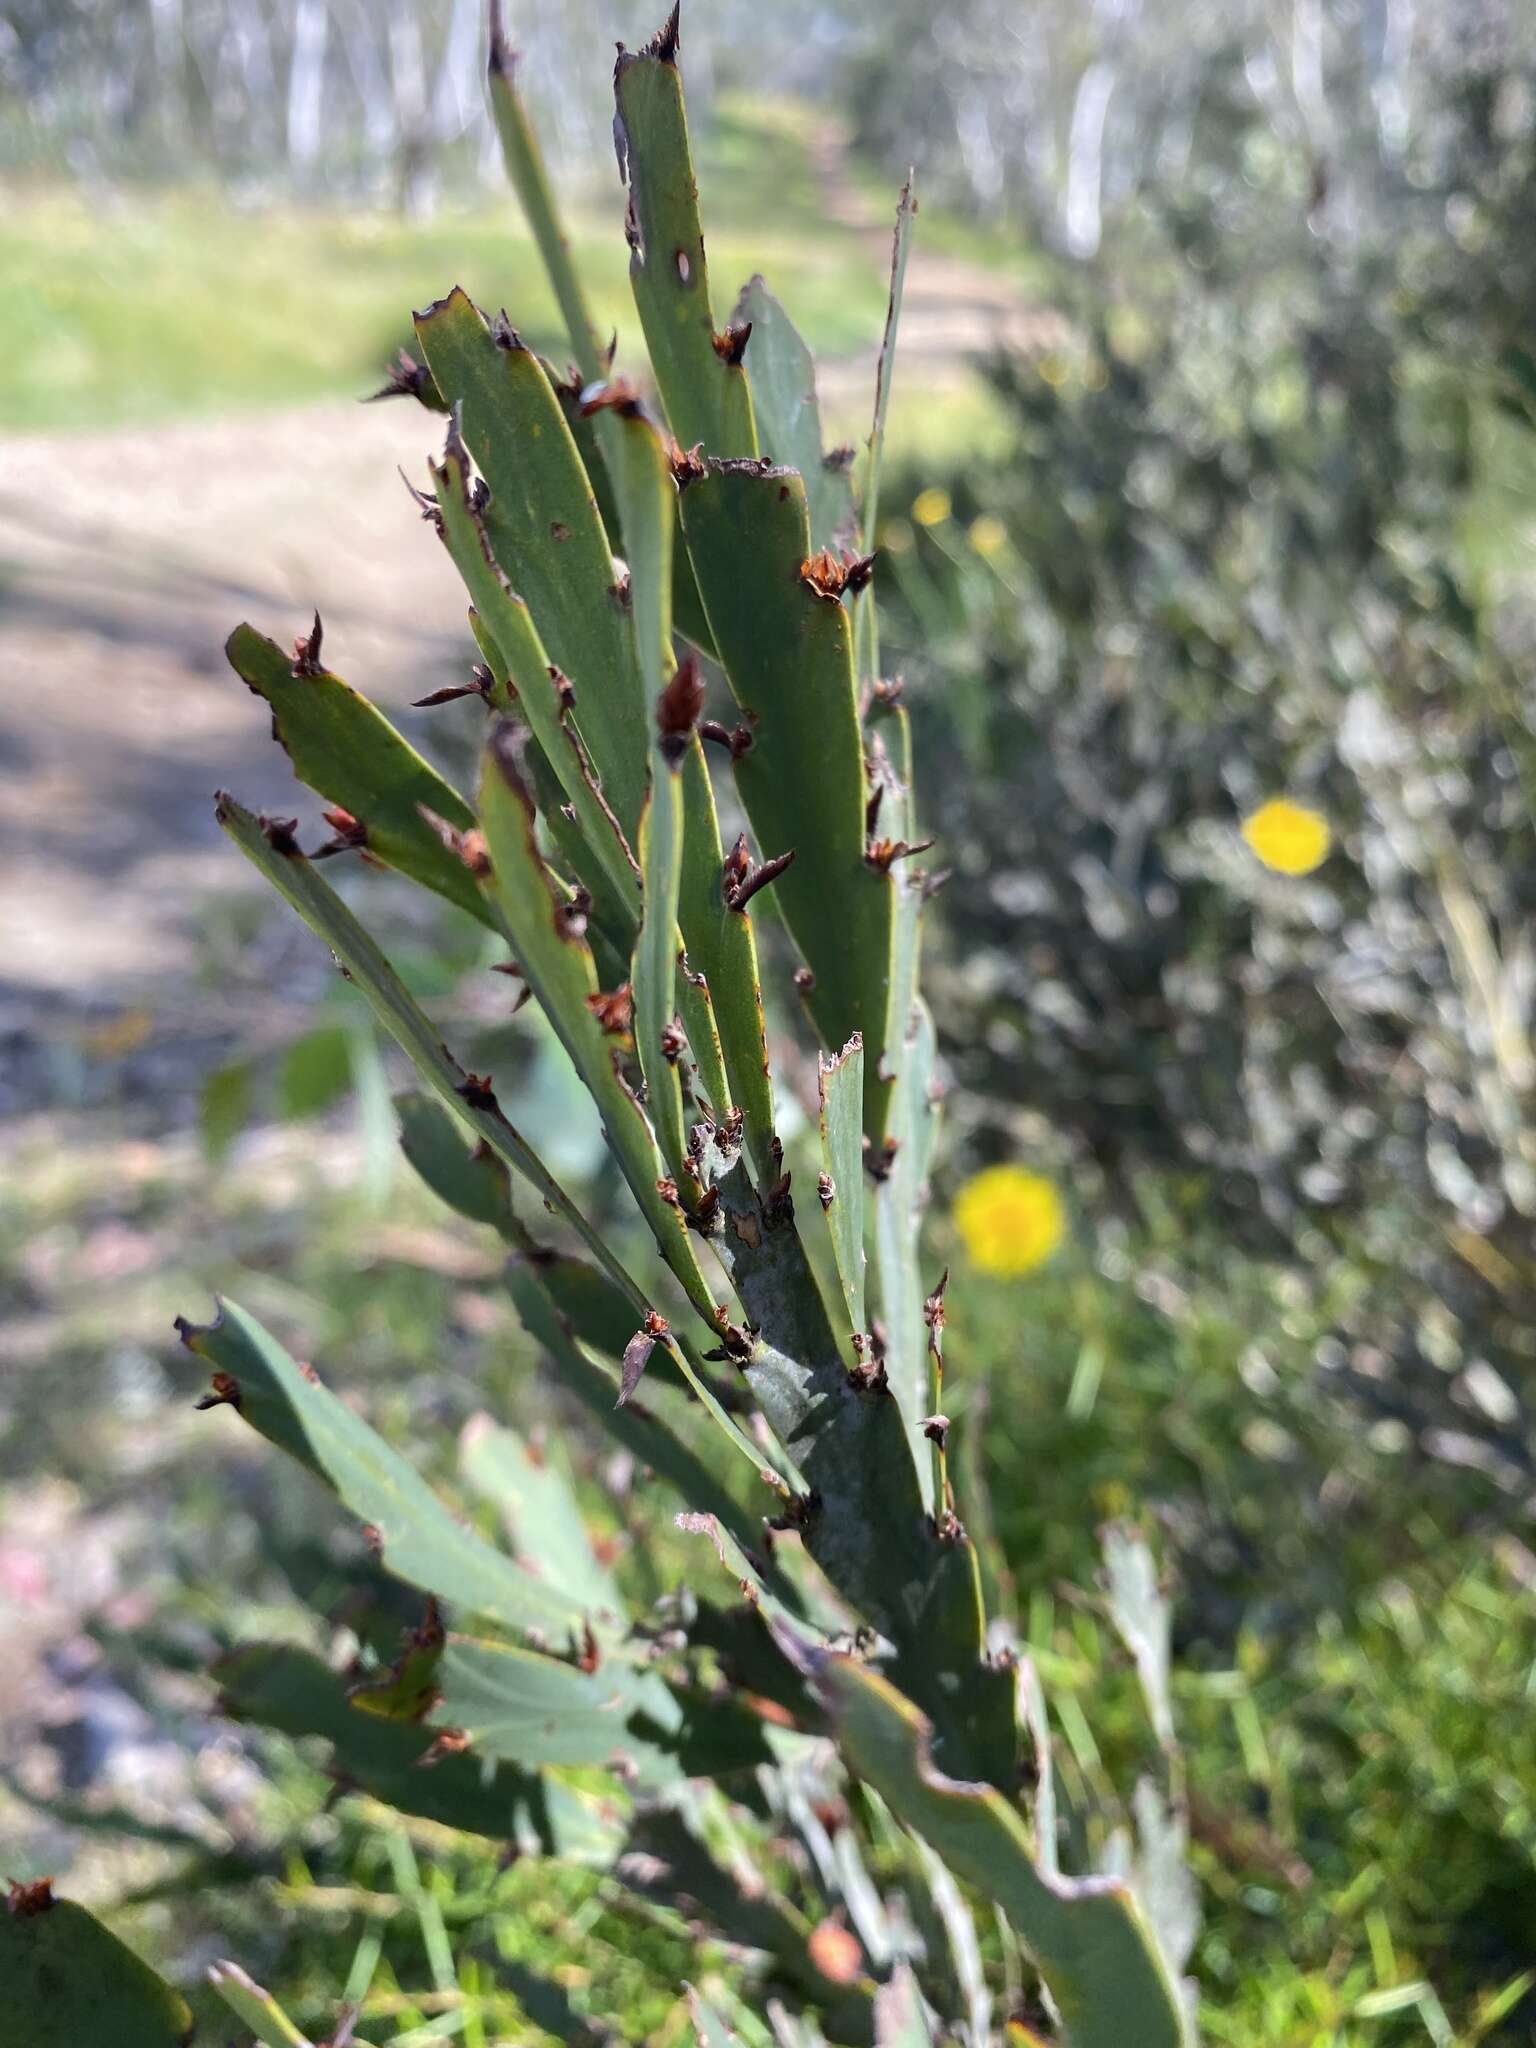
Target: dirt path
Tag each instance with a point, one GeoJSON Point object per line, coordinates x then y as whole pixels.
{"type": "Point", "coordinates": [126, 557]}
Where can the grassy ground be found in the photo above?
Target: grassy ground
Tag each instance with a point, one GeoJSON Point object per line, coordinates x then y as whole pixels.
{"type": "Point", "coordinates": [153, 305]}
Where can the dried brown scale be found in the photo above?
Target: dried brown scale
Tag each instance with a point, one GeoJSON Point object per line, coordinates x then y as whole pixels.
{"type": "Point", "coordinates": [878, 1164]}
{"type": "Point", "coordinates": [281, 834]}
{"type": "Point", "coordinates": [224, 1387]}
{"type": "Point", "coordinates": [618, 395]}
{"type": "Point", "coordinates": [674, 1041]}
{"type": "Point", "coordinates": [350, 833]}
{"type": "Point", "coordinates": [506, 336]}
{"type": "Point", "coordinates": [306, 651]}
{"type": "Point", "coordinates": [677, 709]}
{"type": "Point", "coordinates": [737, 739]}
{"type": "Point", "coordinates": [936, 1429]}
{"type": "Point", "coordinates": [572, 918]}
{"type": "Point", "coordinates": [501, 59]}
{"type": "Point", "coordinates": [687, 465]}
{"type": "Point", "coordinates": [477, 1091]}
{"type": "Point", "coordinates": [614, 1010]}
{"type": "Point", "coordinates": [731, 346]}
{"type": "Point", "coordinates": [741, 881]}
{"type": "Point", "coordinates": [826, 1190]}
{"type": "Point", "coordinates": [27, 1901]}
{"type": "Point", "coordinates": [451, 693]}
{"type": "Point", "coordinates": [834, 576]}
{"type": "Point", "coordinates": [406, 378]}
{"type": "Point", "coordinates": [882, 854]}
{"type": "Point", "coordinates": [447, 1742]}
{"type": "Point", "coordinates": [804, 980]}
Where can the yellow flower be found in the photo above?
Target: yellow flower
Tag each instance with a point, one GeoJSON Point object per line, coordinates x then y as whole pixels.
{"type": "Point", "coordinates": [1288, 837]}
{"type": "Point", "coordinates": [1010, 1219]}
{"type": "Point", "coordinates": [931, 507]}
{"type": "Point", "coordinates": [989, 536]}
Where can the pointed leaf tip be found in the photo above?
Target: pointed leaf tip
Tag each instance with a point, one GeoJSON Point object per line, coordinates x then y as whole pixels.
{"type": "Point", "coordinates": [664, 45]}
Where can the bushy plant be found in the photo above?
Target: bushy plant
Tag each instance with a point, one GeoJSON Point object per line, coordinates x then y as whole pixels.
{"type": "Point", "coordinates": [798, 1725]}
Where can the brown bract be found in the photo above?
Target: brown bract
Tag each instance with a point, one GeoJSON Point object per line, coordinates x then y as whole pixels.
{"type": "Point", "coordinates": [834, 576]}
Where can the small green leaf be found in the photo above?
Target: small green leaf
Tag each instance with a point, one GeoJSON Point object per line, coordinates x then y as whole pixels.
{"type": "Point", "coordinates": [475, 1183]}
{"type": "Point", "coordinates": [224, 1108]}
{"type": "Point", "coordinates": [316, 1072]}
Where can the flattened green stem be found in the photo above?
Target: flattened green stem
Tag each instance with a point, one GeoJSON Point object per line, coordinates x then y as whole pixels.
{"type": "Point", "coordinates": [525, 167]}
{"type": "Point", "coordinates": [543, 528]}
{"type": "Point", "coordinates": [370, 973]}
{"type": "Point", "coordinates": [841, 1190]}
{"type": "Point", "coordinates": [417, 1537]}
{"type": "Point", "coordinates": [1087, 1938]}
{"type": "Point", "coordinates": [787, 649]}
{"type": "Point", "coordinates": [783, 374]}
{"type": "Point", "coordinates": [504, 619]}
{"type": "Point", "coordinates": [654, 974]}
{"type": "Point", "coordinates": [869, 632]}
{"type": "Point", "coordinates": [557, 965]}
{"type": "Point", "coordinates": [347, 751]}
{"type": "Point", "coordinates": [255, 2008]}
{"type": "Point", "coordinates": [865, 1525]}
{"type": "Point", "coordinates": [705, 393]}
{"type": "Point", "coordinates": [721, 947]}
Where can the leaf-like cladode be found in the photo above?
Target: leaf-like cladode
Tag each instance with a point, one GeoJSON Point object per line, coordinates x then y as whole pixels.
{"type": "Point", "coordinates": [783, 374]}
{"type": "Point", "coordinates": [788, 656]}
{"type": "Point", "coordinates": [1085, 1936]}
{"type": "Point", "coordinates": [66, 1980]}
{"type": "Point", "coordinates": [557, 965]}
{"type": "Point", "coordinates": [271, 852]}
{"type": "Point", "coordinates": [536, 1710]}
{"type": "Point", "coordinates": [704, 391]}
{"type": "Point", "coordinates": [346, 750]}
{"type": "Point", "coordinates": [543, 528]}
{"type": "Point", "coordinates": [419, 1539]}
{"type": "Point", "coordinates": [842, 1160]}
{"type": "Point", "coordinates": [283, 1687]}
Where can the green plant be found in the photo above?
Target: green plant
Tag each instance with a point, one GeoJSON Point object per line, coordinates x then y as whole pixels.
{"type": "Point", "coordinates": [686, 1741]}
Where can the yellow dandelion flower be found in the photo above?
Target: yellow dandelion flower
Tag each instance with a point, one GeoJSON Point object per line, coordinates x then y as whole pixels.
{"type": "Point", "coordinates": [1011, 1220]}
{"type": "Point", "coordinates": [989, 536]}
{"type": "Point", "coordinates": [1288, 837]}
{"type": "Point", "coordinates": [931, 507]}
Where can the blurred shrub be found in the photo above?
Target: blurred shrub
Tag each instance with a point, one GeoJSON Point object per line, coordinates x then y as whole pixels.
{"type": "Point", "coordinates": [1253, 542]}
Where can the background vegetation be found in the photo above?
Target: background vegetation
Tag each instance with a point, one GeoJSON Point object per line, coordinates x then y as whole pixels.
{"type": "Point", "coordinates": [1251, 514]}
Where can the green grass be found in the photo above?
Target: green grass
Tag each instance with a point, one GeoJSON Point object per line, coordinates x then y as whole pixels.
{"type": "Point", "coordinates": [159, 305]}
